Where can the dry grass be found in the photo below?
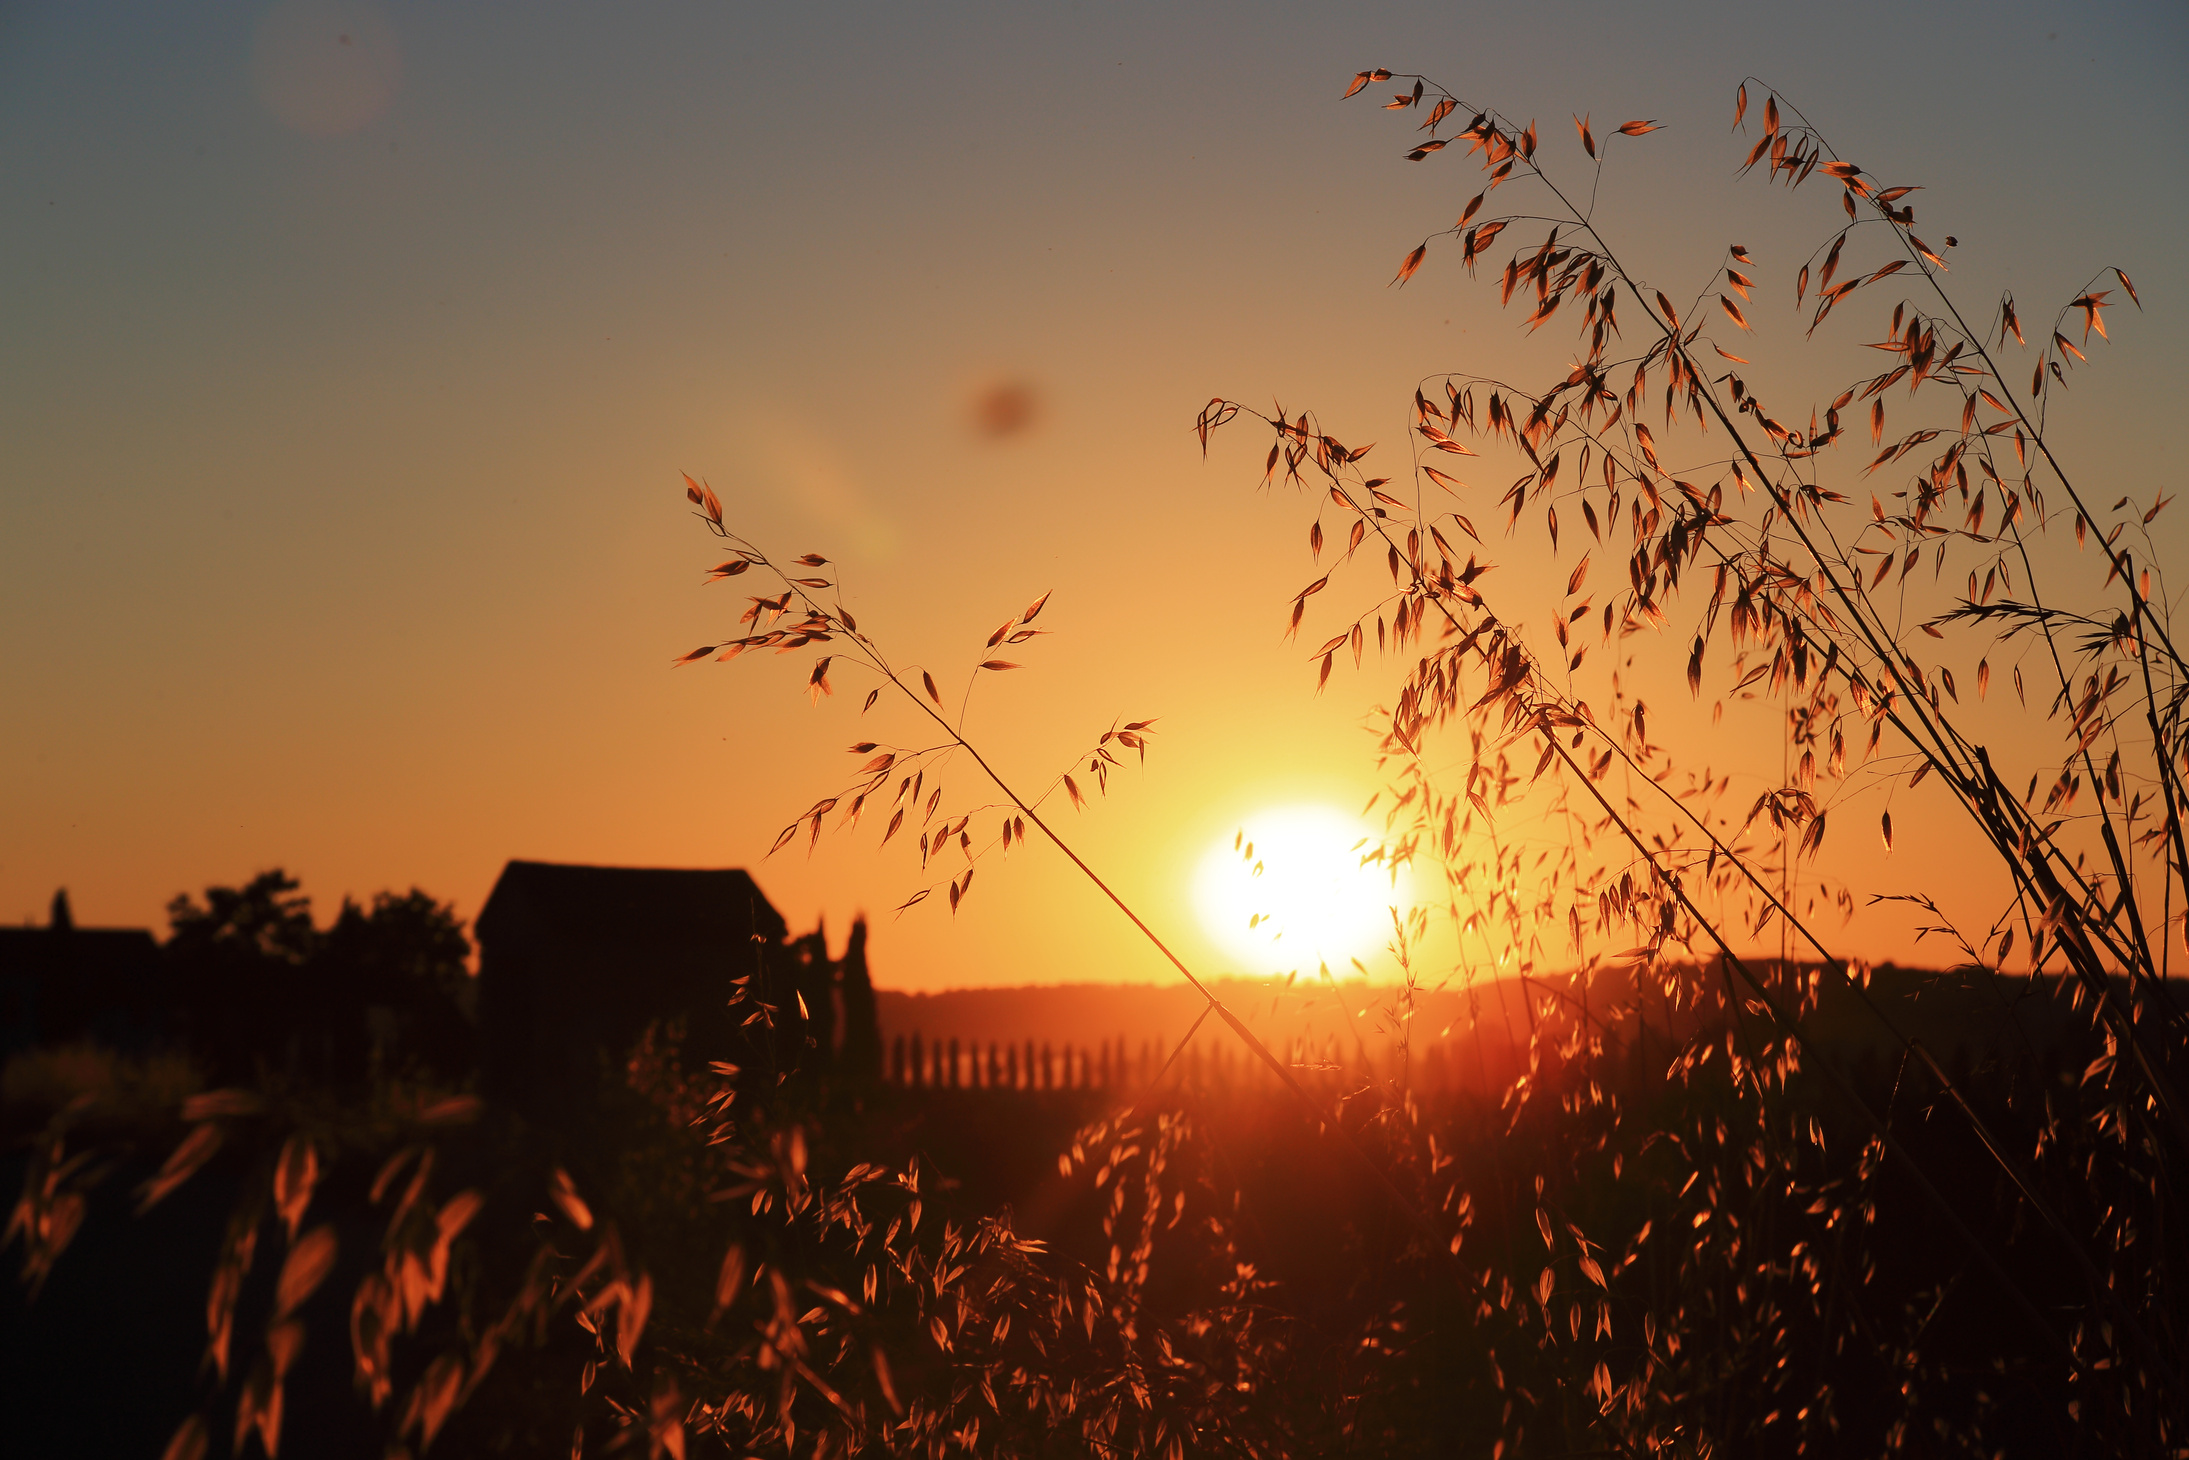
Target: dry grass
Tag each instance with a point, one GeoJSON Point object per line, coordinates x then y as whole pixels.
{"type": "Point", "coordinates": [1693, 1213]}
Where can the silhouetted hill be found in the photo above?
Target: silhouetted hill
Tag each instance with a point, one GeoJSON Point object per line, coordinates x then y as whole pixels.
{"type": "Point", "coordinates": [1952, 1011]}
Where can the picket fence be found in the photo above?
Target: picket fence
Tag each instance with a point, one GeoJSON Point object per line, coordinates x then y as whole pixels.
{"type": "Point", "coordinates": [916, 1062]}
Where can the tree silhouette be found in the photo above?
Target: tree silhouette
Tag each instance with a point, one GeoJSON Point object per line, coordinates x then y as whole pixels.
{"type": "Point", "coordinates": [394, 982]}
{"type": "Point", "coordinates": [260, 989]}
{"type": "Point", "coordinates": [860, 1055]}
{"type": "Point", "coordinates": [236, 962]}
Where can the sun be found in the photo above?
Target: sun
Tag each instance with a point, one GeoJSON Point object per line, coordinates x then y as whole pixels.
{"type": "Point", "coordinates": [1290, 892]}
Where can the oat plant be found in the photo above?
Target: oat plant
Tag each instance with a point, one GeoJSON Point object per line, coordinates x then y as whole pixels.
{"type": "Point", "coordinates": [1833, 568]}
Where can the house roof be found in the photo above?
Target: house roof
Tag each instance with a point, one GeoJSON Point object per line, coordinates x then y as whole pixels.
{"type": "Point", "coordinates": [625, 905]}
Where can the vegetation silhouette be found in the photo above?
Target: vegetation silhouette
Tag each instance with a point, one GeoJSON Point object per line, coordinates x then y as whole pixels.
{"type": "Point", "coordinates": [1693, 1199]}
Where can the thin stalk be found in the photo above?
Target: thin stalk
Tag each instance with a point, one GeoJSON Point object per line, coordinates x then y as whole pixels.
{"type": "Point", "coordinates": [880, 664]}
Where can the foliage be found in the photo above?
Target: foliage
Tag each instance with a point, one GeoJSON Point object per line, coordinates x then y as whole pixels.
{"type": "Point", "coordinates": [1755, 544]}
{"type": "Point", "coordinates": [1807, 586]}
{"type": "Point", "coordinates": [258, 983]}
{"type": "Point", "coordinates": [1713, 1201]}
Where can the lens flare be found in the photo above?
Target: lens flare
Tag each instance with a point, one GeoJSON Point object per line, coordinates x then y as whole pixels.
{"type": "Point", "coordinates": [326, 68]}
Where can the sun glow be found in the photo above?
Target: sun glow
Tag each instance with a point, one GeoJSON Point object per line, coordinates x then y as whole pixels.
{"type": "Point", "coordinates": [1291, 892]}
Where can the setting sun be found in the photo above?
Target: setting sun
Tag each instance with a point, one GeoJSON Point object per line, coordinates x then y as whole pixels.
{"type": "Point", "coordinates": [1290, 891]}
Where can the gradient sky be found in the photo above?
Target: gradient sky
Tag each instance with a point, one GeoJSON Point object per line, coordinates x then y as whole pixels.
{"type": "Point", "coordinates": [343, 396]}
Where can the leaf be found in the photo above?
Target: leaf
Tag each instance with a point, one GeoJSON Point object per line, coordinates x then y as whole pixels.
{"type": "Point", "coordinates": [189, 1441]}
{"type": "Point", "coordinates": [456, 1214]}
{"type": "Point", "coordinates": [456, 1110]}
{"type": "Point", "coordinates": [704, 498]}
{"type": "Point", "coordinates": [564, 1192]}
{"type": "Point", "coordinates": [730, 1281]}
{"type": "Point", "coordinates": [182, 1163]}
{"type": "Point", "coordinates": [436, 1395]}
{"type": "Point", "coordinates": [296, 1172]}
{"type": "Point", "coordinates": [222, 1102]}
{"type": "Point", "coordinates": [631, 1321]}
{"type": "Point", "coordinates": [307, 1266]}
{"type": "Point", "coordinates": [1814, 836]}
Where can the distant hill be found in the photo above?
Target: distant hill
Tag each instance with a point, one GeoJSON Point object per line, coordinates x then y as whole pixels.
{"type": "Point", "coordinates": [1949, 1010]}
{"type": "Point", "coordinates": [1085, 1014]}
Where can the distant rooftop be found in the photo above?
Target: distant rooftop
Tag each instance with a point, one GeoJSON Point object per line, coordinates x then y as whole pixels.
{"type": "Point", "coordinates": [585, 905]}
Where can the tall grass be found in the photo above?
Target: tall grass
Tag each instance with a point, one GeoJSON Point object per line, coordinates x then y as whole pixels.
{"type": "Point", "coordinates": [1703, 1200]}
{"type": "Point", "coordinates": [1765, 554]}
{"type": "Point", "coordinates": [1756, 555]}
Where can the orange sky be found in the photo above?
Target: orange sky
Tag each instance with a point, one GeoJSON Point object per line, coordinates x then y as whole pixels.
{"type": "Point", "coordinates": [349, 385]}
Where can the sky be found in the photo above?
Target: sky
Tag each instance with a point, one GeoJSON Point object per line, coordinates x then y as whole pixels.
{"type": "Point", "coordinates": [351, 355]}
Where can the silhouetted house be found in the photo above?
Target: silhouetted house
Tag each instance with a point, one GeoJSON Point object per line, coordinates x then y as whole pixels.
{"type": "Point", "coordinates": [62, 983]}
{"type": "Point", "coordinates": [576, 962]}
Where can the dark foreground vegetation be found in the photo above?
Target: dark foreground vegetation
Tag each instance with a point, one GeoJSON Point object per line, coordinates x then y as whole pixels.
{"type": "Point", "coordinates": [1640, 1212]}
{"type": "Point", "coordinates": [1691, 1201]}
{"type": "Point", "coordinates": [1744, 1233]}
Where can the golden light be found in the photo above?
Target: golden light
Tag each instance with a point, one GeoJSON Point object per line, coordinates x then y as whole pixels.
{"type": "Point", "coordinates": [1292, 893]}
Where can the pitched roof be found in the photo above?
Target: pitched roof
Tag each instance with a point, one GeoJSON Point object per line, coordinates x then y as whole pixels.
{"type": "Point", "coordinates": [585, 905]}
